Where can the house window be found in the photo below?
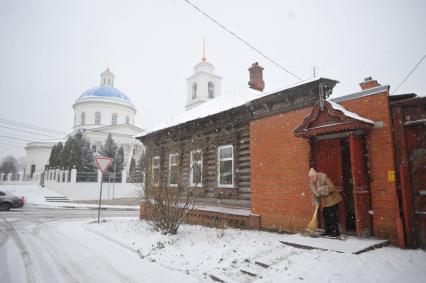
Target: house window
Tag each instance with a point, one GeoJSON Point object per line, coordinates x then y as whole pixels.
{"type": "Point", "coordinates": [97, 118]}
{"type": "Point", "coordinates": [83, 118]}
{"type": "Point", "coordinates": [114, 119]}
{"type": "Point", "coordinates": [194, 90]}
{"type": "Point", "coordinates": [211, 89]}
{"type": "Point", "coordinates": [155, 170]}
{"type": "Point", "coordinates": [127, 120]}
{"type": "Point", "coordinates": [226, 165]}
{"type": "Point", "coordinates": [195, 175]}
{"type": "Point", "coordinates": [173, 169]}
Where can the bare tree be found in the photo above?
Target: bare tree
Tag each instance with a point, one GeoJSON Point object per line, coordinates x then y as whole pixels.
{"type": "Point", "coordinates": [169, 205]}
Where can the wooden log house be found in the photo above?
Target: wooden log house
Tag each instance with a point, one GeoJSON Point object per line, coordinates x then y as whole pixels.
{"type": "Point", "coordinates": [260, 146]}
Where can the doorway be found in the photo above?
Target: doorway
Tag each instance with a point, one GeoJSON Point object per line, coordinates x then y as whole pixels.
{"type": "Point", "coordinates": [344, 160]}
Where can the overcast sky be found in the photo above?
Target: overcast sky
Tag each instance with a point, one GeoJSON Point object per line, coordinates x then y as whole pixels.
{"type": "Point", "coordinates": [52, 51]}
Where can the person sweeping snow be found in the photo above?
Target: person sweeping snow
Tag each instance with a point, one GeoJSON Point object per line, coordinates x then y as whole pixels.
{"type": "Point", "coordinates": [326, 195]}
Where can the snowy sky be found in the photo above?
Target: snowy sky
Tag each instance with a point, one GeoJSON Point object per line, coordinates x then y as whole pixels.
{"type": "Point", "coordinates": [52, 51]}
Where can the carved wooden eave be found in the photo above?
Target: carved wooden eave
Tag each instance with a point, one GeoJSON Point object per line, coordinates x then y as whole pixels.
{"type": "Point", "coordinates": [324, 120]}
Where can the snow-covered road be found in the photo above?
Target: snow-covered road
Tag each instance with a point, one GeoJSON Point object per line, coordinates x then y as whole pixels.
{"type": "Point", "coordinates": [35, 250]}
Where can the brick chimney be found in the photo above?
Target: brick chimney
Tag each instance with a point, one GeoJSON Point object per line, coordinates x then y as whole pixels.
{"type": "Point", "coordinates": [256, 77]}
{"type": "Point", "coordinates": [368, 83]}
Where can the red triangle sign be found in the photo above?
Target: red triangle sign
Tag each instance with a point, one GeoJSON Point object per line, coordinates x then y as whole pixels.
{"type": "Point", "coordinates": [103, 163]}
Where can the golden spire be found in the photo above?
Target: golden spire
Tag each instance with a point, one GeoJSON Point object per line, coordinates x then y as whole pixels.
{"type": "Point", "coordinates": [204, 59]}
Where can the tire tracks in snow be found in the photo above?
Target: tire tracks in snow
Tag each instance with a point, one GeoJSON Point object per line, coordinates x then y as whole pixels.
{"type": "Point", "coordinates": [12, 233]}
{"type": "Point", "coordinates": [103, 264]}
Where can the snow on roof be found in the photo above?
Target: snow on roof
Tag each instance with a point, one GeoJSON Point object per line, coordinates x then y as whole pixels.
{"type": "Point", "coordinates": [226, 101]}
{"type": "Point", "coordinates": [367, 92]}
{"type": "Point", "coordinates": [233, 99]}
{"type": "Point", "coordinates": [349, 113]}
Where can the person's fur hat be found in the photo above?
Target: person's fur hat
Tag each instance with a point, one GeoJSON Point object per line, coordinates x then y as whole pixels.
{"type": "Point", "coordinates": [312, 172]}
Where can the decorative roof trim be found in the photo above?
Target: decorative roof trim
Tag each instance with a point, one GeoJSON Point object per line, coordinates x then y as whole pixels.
{"type": "Point", "coordinates": [338, 120]}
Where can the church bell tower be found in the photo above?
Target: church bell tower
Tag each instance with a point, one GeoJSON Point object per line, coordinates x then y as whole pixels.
{"type": "Point", "coordinates": [203, 85]}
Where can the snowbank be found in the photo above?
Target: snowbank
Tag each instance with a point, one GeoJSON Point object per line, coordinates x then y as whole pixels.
{"type": "Point", "coordinates": [32, 193]}
{"type": "Point", "coordinates": [201, 252]}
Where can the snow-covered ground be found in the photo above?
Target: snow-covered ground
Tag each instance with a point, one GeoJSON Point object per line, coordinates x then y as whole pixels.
{"type": "Point", "coordinates": [128, 249]}
{"type": "Point", "coordinates": [35, 195]}
{"type": "Point", "coordinates": [200, 252]}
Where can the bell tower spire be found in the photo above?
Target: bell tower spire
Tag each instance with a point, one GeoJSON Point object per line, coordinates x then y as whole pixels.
{"type": "Point", "coordinates": [204, 59]}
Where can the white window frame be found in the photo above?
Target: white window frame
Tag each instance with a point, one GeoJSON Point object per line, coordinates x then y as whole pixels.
{"type": "Point", "coordinates": [191, 168]}
{"type": "Point", "coordinates": [194, 90]}
{"type": "Point", "coordinates": [114, 119]}
{"type": "Point", "coordinates": [98, 118]}
{"type": "Point", "coordinates": [83, 118]}
{"type": "Point", "coordinates": [155, 165]}
{"type": "Point", "coordinates": [210, 89]}
{"type": "Point", "coordinates": [170, 167]}
{"type": "Point", "coordinates": [225, 159]}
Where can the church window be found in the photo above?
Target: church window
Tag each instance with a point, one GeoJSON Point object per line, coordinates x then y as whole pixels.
{"type": "Point", "coordinates": [211, 89]}
{"type": "Point", "coordinates": [114, 119]}
{"type": "Point", "coordinates": [127, 120]}
{"type": "Point", "coordinates": [83, 118]}
{"type": "Point", "coordinates": [97, 118]}
{"type": "Point", "coordinates": [194, 90]}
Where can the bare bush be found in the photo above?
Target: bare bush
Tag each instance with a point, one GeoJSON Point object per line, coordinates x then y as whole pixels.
{"type": "Point", "coordinates": [169, 205]}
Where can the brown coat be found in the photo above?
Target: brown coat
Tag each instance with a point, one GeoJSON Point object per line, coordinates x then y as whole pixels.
{"type": "Point", "coordinates": [333, 196]}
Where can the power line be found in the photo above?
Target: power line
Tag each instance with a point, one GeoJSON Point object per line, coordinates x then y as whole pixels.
{"type": "Point", "coordinates": [410, 73]}
{"type": "Point", "coordinates": [34, 127]}
{"type": "Point", "coordinates": [24, 131]}
{"type": "Point", "coordinates": [240, 39]}
{"type": "Point", "coordinates": [15, 138]}
{"type": "Point", "coordinates": [9, 144]}
{"type": "Point", "coordinates": [15, 142]}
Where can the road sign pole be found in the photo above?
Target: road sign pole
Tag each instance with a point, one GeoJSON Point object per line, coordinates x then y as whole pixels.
{"type": "Point", "coordinates": [100, 198]}
{"type": "Point", "coordinates": [103, 164]}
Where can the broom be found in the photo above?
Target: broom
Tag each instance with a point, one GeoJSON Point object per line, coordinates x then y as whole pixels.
{"type": "Point", "coordinates": [313, 224]}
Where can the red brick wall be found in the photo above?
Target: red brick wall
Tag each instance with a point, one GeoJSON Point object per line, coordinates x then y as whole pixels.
{"type": "Point", "coordinates": [381, 159]}
{"type": "Point", "coordinates": [210, 218]}
{"type": "Point", "coordinates": [280, 164]}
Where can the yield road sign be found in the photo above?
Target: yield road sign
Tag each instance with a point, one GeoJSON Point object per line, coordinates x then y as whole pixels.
{"type": "Point", "coordinates": [103, 163]}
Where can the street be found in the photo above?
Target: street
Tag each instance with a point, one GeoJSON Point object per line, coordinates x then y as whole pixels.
{"type": "Point", "coordinates": [33, 249]}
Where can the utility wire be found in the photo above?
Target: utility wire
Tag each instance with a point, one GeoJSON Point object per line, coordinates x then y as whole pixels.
{"type": "Point", "coordinates": [242, 40]}
{"type": "Point", "coordinates": [24, 131]}
{"type": "Point", "coordinates": [15, 142]}
{"type": "Point", "coordinates": [9, 144]}
{"type": "Point", "coordinates": [34, 127]}
{"type": "Point", "coordinates": [410, 73]}
{"type": "Point", "coordinates": [15, 138]}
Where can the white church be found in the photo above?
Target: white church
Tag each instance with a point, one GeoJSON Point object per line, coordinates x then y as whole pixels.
{"type": "Point", "coordinates": [99, 111]}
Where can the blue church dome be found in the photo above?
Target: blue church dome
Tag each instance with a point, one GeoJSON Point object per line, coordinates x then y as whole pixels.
{"type": "Point", "coordinates": [106, 92]}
